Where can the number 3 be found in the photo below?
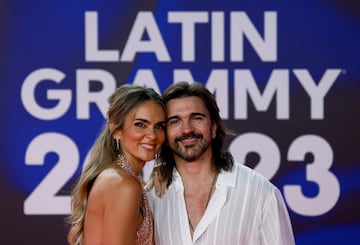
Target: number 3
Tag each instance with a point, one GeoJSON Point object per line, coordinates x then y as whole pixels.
{"type": "Point", "coordinates": [318, 172]}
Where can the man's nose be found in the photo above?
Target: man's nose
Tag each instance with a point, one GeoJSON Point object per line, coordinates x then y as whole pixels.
{"type": "Point", "coordinates": [187, 127]}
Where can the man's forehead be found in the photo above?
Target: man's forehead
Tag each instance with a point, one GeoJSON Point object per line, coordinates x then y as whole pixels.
{"type": "Point", "coordinates": [186, 105]}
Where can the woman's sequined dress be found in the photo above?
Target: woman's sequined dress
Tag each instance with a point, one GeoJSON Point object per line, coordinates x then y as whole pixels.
{"type": "Point", "coordinates": [145, 233]}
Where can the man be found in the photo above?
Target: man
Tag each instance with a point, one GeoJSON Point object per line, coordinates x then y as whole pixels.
{"type": "Point", "coordinates": [211, 199]}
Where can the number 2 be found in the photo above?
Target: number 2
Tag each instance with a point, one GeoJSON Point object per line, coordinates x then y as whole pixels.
{"type": "Point", "coordinates": [43, 200]}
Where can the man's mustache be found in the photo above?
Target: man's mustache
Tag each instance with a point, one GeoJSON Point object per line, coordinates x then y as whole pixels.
{"type": "Point", "coordinates": [188, 136]}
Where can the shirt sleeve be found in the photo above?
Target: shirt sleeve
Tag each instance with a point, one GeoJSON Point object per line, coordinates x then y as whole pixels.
{"type": "Point", "coordinates": [276, 227]}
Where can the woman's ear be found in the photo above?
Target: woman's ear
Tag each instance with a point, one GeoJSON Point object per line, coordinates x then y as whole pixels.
{"type": "Point", "coordinates": [117, 135]}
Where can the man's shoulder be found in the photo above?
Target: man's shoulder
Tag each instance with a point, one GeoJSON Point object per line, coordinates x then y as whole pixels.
{"type": "Point", "coordinates": [244, 172]}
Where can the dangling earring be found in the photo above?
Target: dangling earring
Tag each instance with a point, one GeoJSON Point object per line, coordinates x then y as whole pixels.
{"type": "Point", "coordinates": [117, 145]}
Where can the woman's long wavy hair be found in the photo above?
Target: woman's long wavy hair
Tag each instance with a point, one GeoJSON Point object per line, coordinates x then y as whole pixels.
{"type": "Point", "coordinates": [104, 151]}
{"type": "Point", "coordinates": [222, 159]}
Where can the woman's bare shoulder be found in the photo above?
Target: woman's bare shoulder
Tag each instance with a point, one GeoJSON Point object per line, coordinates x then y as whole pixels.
{"type": "Point", "coordinates": [112, 181]}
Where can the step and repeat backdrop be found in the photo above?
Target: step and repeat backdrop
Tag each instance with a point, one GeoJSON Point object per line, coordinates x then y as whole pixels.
{"type": "Point", "coordinates": [285, 74]}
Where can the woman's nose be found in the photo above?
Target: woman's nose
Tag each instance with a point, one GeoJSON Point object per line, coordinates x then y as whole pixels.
{"type": "Point", "coordinates": [151, 133]}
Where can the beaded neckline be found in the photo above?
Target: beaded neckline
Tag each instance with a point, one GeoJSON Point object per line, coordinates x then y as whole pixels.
{"type": "Point", "coordinates": [124, 164]}
{"type": "Point", "coordinates": [144, 234]}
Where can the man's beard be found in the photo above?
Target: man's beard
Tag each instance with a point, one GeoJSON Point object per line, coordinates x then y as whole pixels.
{"type": "Point", "coordinates": [191, 152]}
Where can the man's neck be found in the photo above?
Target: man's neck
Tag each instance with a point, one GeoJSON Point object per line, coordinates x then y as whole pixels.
{"type": "Point", "coordinates": [195, 171]}
{"type": "Point", "coordinates": [199, 178]}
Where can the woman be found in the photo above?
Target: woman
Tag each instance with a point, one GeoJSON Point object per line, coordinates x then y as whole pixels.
{"type": "Point", "coordinates": [109, 205]}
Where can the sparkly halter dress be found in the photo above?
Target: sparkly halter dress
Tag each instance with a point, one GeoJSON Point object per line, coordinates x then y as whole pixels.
{"type": "Point", "coordinates": [144, 234]}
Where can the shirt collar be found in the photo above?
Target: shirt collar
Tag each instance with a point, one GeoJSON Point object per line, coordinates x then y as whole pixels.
{"type": "Point", "coordinates": [225, 179]}
{"type": "Point", "coordinates": [178, 184]}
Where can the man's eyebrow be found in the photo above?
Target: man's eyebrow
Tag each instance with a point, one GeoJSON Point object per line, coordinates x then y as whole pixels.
{"type": "Point", "coordinates": [197, 114]}
{"type": "Point", "coordinates": [193, 114]}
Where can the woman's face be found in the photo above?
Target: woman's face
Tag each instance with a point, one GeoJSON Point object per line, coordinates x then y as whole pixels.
{"type": "Point", "coordinates": [143, 132]}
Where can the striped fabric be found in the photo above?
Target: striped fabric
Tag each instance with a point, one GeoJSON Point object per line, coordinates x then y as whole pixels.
{"type": "Point", "coordinates": [245, 209]}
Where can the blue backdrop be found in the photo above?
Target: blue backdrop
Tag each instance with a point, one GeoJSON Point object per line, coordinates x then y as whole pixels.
{"type": "Point", "coordinates": [285, 74]}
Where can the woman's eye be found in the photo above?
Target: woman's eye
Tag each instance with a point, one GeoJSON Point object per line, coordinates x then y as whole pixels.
{"type": "Point", "coordinates": [160, 126]}
{"type": "Point", "coordinates": [139, 124]}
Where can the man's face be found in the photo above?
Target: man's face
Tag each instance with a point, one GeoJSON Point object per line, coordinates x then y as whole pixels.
{"type": "Point", "coordinates": [189, 128]}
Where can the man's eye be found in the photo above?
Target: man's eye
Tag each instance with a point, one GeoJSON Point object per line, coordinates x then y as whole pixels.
{"type": "Point", "coordinates": [173, 121]}
{"type": "Point", "coordinates": [197, 118]}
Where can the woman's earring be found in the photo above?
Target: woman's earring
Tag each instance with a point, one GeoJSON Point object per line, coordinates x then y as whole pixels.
{"type": "Point", "coordinates": [117, 145]}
